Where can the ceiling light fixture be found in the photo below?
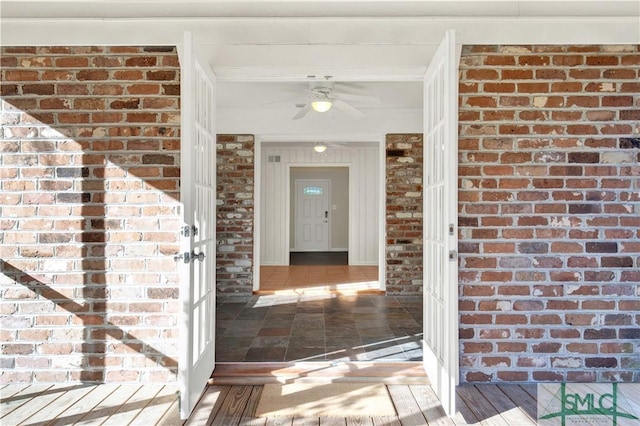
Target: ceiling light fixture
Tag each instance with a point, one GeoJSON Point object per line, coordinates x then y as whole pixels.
{"type": "Point", "coordinates": [321, 105]}
{"type": "Point", "coordinates": [319, 147]}
{"type": "Point", "coordinates": [321, 102]}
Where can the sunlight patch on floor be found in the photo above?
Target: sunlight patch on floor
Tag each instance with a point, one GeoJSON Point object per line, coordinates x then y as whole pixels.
{"type": "Point", "coordinates": [345, 289]}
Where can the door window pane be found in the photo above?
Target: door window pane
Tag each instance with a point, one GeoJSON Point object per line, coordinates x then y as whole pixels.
{"type": "Point", "coordinates": [313, 190]}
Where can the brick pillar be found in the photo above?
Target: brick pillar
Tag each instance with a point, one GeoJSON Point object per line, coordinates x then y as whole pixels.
{"type": "Point", "coordinates": [89, 191]}
{"type": "Point", "coordinates": [404, 213]}
{"type": "Point", "coordinates": [549, 213]}
{"type": "Point", "coordinates": [235, 182]}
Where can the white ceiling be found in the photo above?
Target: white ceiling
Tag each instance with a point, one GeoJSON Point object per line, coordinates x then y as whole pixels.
{"type": "Point", "coordinates": [286, 95]}
{"type": "Point", "coordinates": [316, 8]}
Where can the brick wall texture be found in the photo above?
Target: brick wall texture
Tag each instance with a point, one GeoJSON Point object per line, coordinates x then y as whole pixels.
{"type": "Point", "coordinates": [404, 213]}
{"type": "Point", "coordinates": [89, 193]}
{"type": "Point", "coordinates": [549, 220]}
{"type": "Point", "coordinates": [235, 182]}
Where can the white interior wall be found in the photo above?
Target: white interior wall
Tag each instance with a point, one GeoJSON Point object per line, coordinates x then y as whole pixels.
{"type": "Point", "coordinates": [364, 175]}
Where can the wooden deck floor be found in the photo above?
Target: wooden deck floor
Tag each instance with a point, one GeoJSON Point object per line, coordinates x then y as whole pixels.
{"type": "Point", "coordinates": [227, 405]}
{"type": "Point", "coordinates": [416, 405]}
{"type": "Point", "coordinates": [82, 404]}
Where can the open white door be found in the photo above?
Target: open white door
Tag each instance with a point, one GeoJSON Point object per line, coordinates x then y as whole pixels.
{"type": "Point", "coordinates": [441, 222]}
{"type": "Point", "coordinates": [198, 256]}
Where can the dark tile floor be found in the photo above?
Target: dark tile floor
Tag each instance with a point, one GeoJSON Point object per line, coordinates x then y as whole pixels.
{"type": "Point", "coordinates": [276, 328]}
{"type": "Point", "coordinates": [319, 258]}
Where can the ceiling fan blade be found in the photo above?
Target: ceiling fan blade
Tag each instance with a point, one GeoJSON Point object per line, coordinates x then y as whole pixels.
{"type": "Point", "coordinates": [357, 98]}
{"type": "Point", "coordinates": [339, 145]}
{"type": "Point", "coordinates": [303, 111]}
{"type": "Point", "coordinates": [343, 106]}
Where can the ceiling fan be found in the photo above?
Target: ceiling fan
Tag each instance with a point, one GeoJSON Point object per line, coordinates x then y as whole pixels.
{"type": "Point", "coordinates": [322, 97]}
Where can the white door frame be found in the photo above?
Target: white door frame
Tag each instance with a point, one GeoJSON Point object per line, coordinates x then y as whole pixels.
{"type": "Point", "coordinates": [382, 182]}
{"type": "Point", "coordinates": [288, 197]}
{"type": "Point", "coordinates": [296, 204]}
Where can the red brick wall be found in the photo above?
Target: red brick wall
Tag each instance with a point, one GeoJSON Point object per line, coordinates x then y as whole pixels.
{"type": "Point", "coordinates": [550, 213]}
{"type": "Point", "coordinates": [404, 213]}
{"type": "Point", "coordinates": [89, 176]}
{"type": "Point", "coordinates": [235, 174]}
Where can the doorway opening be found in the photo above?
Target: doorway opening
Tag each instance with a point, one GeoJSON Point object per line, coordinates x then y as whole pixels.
{"type": "Point", "coordinates": [319, 218]}
{"type": "Point", "coordinates": [319, 225]}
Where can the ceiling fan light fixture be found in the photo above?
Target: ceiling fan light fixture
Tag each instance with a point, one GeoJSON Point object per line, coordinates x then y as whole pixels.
{"type": "Point", "coordinates": [319, 147]}
{"type": "Point", "coordinates": [321, 105]}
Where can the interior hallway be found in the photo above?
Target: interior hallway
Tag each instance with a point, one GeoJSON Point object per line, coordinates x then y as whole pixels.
{"type": "Point", "coordinates": [315, 313]}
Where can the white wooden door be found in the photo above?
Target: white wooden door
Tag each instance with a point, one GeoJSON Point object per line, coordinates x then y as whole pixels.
{"type": "Point", "coordinates": [312, 214]}
{"type": "Point", "coordinates": [441, 222]}
{"type": "Point", "coordinates": [198, 257]}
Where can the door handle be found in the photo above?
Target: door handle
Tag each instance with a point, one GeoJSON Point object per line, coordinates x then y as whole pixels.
{"type": "Point", "coordinates": [197, 256]}
{"type": "Point", "coordinates": [326, 214]}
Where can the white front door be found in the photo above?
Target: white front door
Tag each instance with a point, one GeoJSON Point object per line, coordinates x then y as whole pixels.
{"type": "Point", "coordinates": [312, 214]}
{"type": "Point", "coordinates": [441, 222]}
{"type": "Point", "coordinates": [198, 255]}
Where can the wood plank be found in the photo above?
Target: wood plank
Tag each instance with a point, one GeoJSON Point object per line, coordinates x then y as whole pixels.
{"type": "Point", "coordinates": [508, 409]}
{"type": "Point", "coordinates": [249, 416]}
{"type": "Point", "coordinates": [8, 391]}
{"type": "Point", "coordinates": [233, 406]}
{"type": "Point", "coordinates": [386, 421]}
{"type": "Point", "coordinates": [172, 416]}
{"type": "Point", "coordinates": [279, 421]}
{"type": "Point", "coordinates": [127, 412]}
{"type": "Point", "coordinates": [306, 421]}
{"type": "Point", "coordinates": [521, 398]}
{"type": "Point", "coordinates": [464, 416]}
{"type": "Point", "coordinates": [407, 408]}
{"type": "Point", "coordinates": [84, 405]}
{"type": "Point", "coordinates": [359, 421]}
{"type": "Point", "coordinates": [484, 411]}
{"type": "Point", "coordinates": [23, 396]}
{"type": "Point", "coordinates": [35, 404]}
{"type": "Point", "coordinates": [333, 421]}
{"type": "Point", "coordinates": [60, 405]}
{"type": "Point", "coordinates": [109, 405]}
{"type": "Point", "coordinates": [531, 389]}
{"type": "Point", "coordinates": [631, 393]}
{"type": "Point", "coordinates": [156, 409]}
{"type": "Point", "coordinates": [208, 406]}
{"type": "Point", "coordinates": [430, 405]}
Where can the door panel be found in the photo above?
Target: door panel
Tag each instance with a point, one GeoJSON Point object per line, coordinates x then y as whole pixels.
{"type": "Point", "coordinates": [312, 214]}
{"type": "Point", "coordinates": [198, 195]}
{"type": "Point", "coordinates": [441, 223]}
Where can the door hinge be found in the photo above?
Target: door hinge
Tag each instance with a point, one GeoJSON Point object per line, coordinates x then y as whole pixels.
{"type": "Point", "coordinates": [453, 255]}
{"type": "Point", "coordinates": [452, 228]}
{"type": "Point", "coordinates": [185, 231]}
